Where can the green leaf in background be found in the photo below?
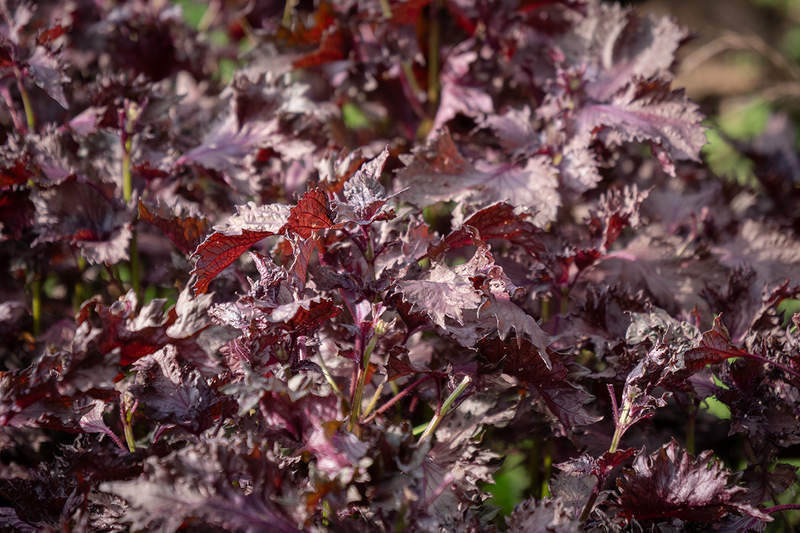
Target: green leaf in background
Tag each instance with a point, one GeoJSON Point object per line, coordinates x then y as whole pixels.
{"type": "Point", "coordinates": [510, 483]}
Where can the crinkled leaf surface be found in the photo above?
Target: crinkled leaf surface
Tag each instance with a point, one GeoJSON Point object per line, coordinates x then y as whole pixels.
{"type": "Point", "coordinates": [439, 173]}
{"type": "Point", "coordinates": [365, 196]}
{"type": "Point", "coordinates": [673, 483]}
{"type": "Point", "coordinates": [499, 221]}
{"type": "Point", "coordinates": [249, 225]}
{"type": "Point", "coordinates": [550, 515]}
{"type": "Point", "coordinates": [441, 292]}
{"type": "Point", "coordinates": [649, 111]}
{"type": "Point", "coordinates": [310, 214]}
{"type": "Point", "coordinates": [196, 484]}
{"type": "Point", "coordinates": [524, 361]}
{"type": "Point", "coordinates": [621, 45]}
{"type": "Point", "coordinates": [172, 394]}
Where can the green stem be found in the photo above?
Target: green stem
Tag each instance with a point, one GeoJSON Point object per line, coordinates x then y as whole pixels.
{"type": "Point", "coordinates": [548, 468]}
{"type": "Point", "coordinates": [26, 103]}
{"type": "Point", "coordinates": [419, 429]}
{"type": "Point", "coordinates": [209, 16]}
{"type": "Point", "coordinates": [545, 309]}
{"type": "Point", "coordinates": [134, 263]}
{"type": "Point", "coordinates": [434, 84]}
{"type": "Point", "coordinates": [375, 396]}
{"type": "Point", "coordinates": [398, 395]}
{"type": "Point", "coordinates": [329, 377]}
{"type": "Point", "coordinates": [288, 8]}
{"type": "Point", "coordinates": [36, 305]}
{"type": "Point", "coordinates": [445, 408]}
{"type": "Point", "coordinates": [127, 195]}
{"type": "Point", "coordinates": [79, 296]}
{"type": "Point", "coordinates": [621, 425]}
{"type": "Point", "coordinates": [622, 421]}
{"type": "Point", "coordinates": [29, 116]}
{"type": "Point", "coordinates": [355, 409]}
{"type": "Point", "coordinates": [410, 77]}
{"type": "Point", "coordinates": [386, 9]}
{"type": "Point", "coordinates": [129, 437]}
{"type": "Point", "coordinates": [127, 183]}
{"type": "Point", "coordinates": [128, 406]}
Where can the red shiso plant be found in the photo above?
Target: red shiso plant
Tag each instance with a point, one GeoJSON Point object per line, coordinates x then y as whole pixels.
{"type": "Point", "coordinates": [323, 266]}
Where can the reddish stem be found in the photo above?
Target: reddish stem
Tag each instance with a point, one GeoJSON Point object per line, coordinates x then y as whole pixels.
{"type": "Point", "coordinates": [786, 507]}
{"type": "Point", "coordinates": [773, 363]}
{"type": "Point", "coordinates": [397, 398]}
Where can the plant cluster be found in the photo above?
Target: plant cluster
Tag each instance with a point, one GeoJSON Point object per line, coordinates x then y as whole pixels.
{"type": "Point", "coordinates": [321, 267]}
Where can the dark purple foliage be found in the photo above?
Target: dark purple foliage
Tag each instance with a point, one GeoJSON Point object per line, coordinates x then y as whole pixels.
{"type": "Point", "coordinates": [330, 291]}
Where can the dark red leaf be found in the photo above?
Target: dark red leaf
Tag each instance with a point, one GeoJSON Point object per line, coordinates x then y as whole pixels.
{"type": "Point", "coordinates": [715, 347]}
{"type": "Point", "coordinates": [763, 485]}
{"type": "Point", "coordinates": [87, 121]}
{"type": "Point", "coordinates": [185, 232]}
{"type": "Point", "coordinates": [45, 37]}
{"type": "Point", "coordinates": [650, 110]}
{"type": "Point", "coordinates": [248, 226]}
{"type": "Point", "coordinates": [218, 251]}
{"type": "Point", "coordinates": [439, 173]}
{"type": "Point", "coordinates": [14, 174]}
{"type": "Point", "coordinates": [545, 515]}
{"type": "Point", "coordinates": [162, 497]}
{"type": "Point", "coordinates": [524, 361]}
{"type": "Point", "coordinates": [441, 292]}
{"type": "Point", "coordinates": [307, 319]}
{"type": "Point", "coordinates": [135, 335]}
{"type": "Point", "coordinates": [672, 483]}
{"type": "Point", "coordinates": [399, 365]}
{"type": "Point", "coordinates": [510, 316]}
{"type": "Point", "coordinates": [49, 74]}
{"type": "Point", "coordinates": [16, 213]}
{"type": "Point", "coordinates": [310, 214]}
{"type": "Point", "coordinates": [331, 48]}
{"type": "Point", "coordinates": [497, 221]}
{"type": "Point", "coordinates": [92, 422]}
{"type": "Point", "coordinates": [459, 95]}
{"type": "Point", "coordinates": [302, 250]}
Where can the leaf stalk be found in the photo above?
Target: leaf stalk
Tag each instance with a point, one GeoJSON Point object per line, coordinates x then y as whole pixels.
{"type": "Point", "coordinates": [398, 396]}
{"type": "Point", "coordinates": [445, 408]}
{"type": "Point", "coordinates": [128, 406]}
{"type": "Point", "coordinates": [26, 102]}
{"type": "Point", "coordinates": [434, 37]}
{"type": "Point", "coordinates": [36, 304]}
{"type": "Point", "coordinates": [355, 409]}
{"type": "Point", "coordinates": [127, 122]}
